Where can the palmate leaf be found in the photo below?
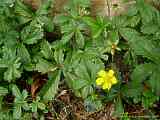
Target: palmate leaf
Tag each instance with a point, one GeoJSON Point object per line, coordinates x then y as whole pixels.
{"type": "Point", "coordinates": [146, 11]}
{"type": "Point", "coordinates": [140, 44]}
{"type": "Point", "coordinates": [148, 73]}
{"type": "Point", "coordinates": [10, 38]}
{"type": "Point", "coordinates": [32, 33]}
{"type": "Point", "coordinates": [82, 77]}
{"type": "Point", "coordinates": [97, 26]}
{"type": "Point", "coordinates": [150, 28]}
{"type": "Point", "coordinates": [138, 77]}
{"type": "Point", "coordinates": [12, 71]}
{"type": "Point", "coordinates": [42, 16]}
{"type": "Point", "coordinates": [23, 13]}
{"type": "Point", "coordinates": [50, 88]}
{"type": "Point", "coordinates": [19, 101]}
{"type": "Point", "coordinates": [10, 63]}
{"type": "Point", "coordinates": [141, 72]}
{"type": "Point", "coordinates": [8, 34]}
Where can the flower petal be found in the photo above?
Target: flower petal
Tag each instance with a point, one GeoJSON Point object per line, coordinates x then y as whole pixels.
{"type": "Point", "coordinates": [114, 80]}
{"type": "Point", "coordinates": [102, 73]}
{"type": "Point", "coordinates": [106, 85]}
{"type": "Point", "coordinates": [99, 81]}
{"type": "Point", "coordinates": [110, 73]}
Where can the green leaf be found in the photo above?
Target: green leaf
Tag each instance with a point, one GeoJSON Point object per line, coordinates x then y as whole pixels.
{"type": "Point", "coordinates": [47, 22]}
{"type": "Point", "coordinates": [16, 91]}
{"type": "Point", "coordinates": [86, 91]}
{"type": "Point", "coordinates": [59, 56]}
{"type": "Point", "coordinates": [155, 80]}
{"type": "Point", "coordinates": [3, 64]}
{"type": "Point", "coordinates": [44, 8]}
{"type": "Point", "coordinates": [44, 66]}
{"type": "Point", "coordinates": [133, 21]}
{"type": "Point", "coordinates": [80, 39]}
{"type": "Point", "coordinates": [149, 29]}
{"type": "Point", "coordinates": [23, 53]}
{"type": "Point", "coordinates": [32, 33]}
{"type": "Point", "coordinates": [113, 37]}
{"type": "Point", "coordinates": [96, 26]}
{"type": "Point", "coordinates": [34, 107]}
{"type": "Point", "coordinates": [64, 40]}
{"type": "Point", "coordinates": [41, 106]}
{"type": "Point", "coordinates": [61, 19]}
{"type": "Point", "coordinates": [24, 14]}
{"type": "Point", "coordinates": [141, 72]}
{"type": "Point", "coordinates": [17, 112]}
{"type": "Point", "coordinates": [129, 34]}
{"type": "Point", "coordinates": [140, 44]}
{"type": "Point", "coordinates": [78, 84]}
{"type": "Point", "coordinates": [132, 90]}
{"type": "Point", "coordinates": [3, 91]}
{"type": "Point", "coordinates": [24, 94]}
{"type": "Point", "coordinates": [49, 26]}
{"type": "Point", "coordinates": [12, 72]}
{"type": "Point", "coordinates": [46, 49]}
{"type": "Point", "coordinates": [132, 11]}
{"type": "Point", "coordinates": [119, 107]}
{"type": "Point", "coordinates": [68, 28]}
{"type": "Point", "coordinates": [146, 11]}
{"type": "Point", "coordinates": [82, 76]}
{"type": "Point", "coordinates": [148, 99]}
{"type": "Point", "coordinates": [50, 88]}
{"type": "Point", "coordinates": [82, 72]}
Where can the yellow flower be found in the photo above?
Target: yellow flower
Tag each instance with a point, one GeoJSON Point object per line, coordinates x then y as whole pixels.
{"type": "Point", "coordinates": [106, 79]}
